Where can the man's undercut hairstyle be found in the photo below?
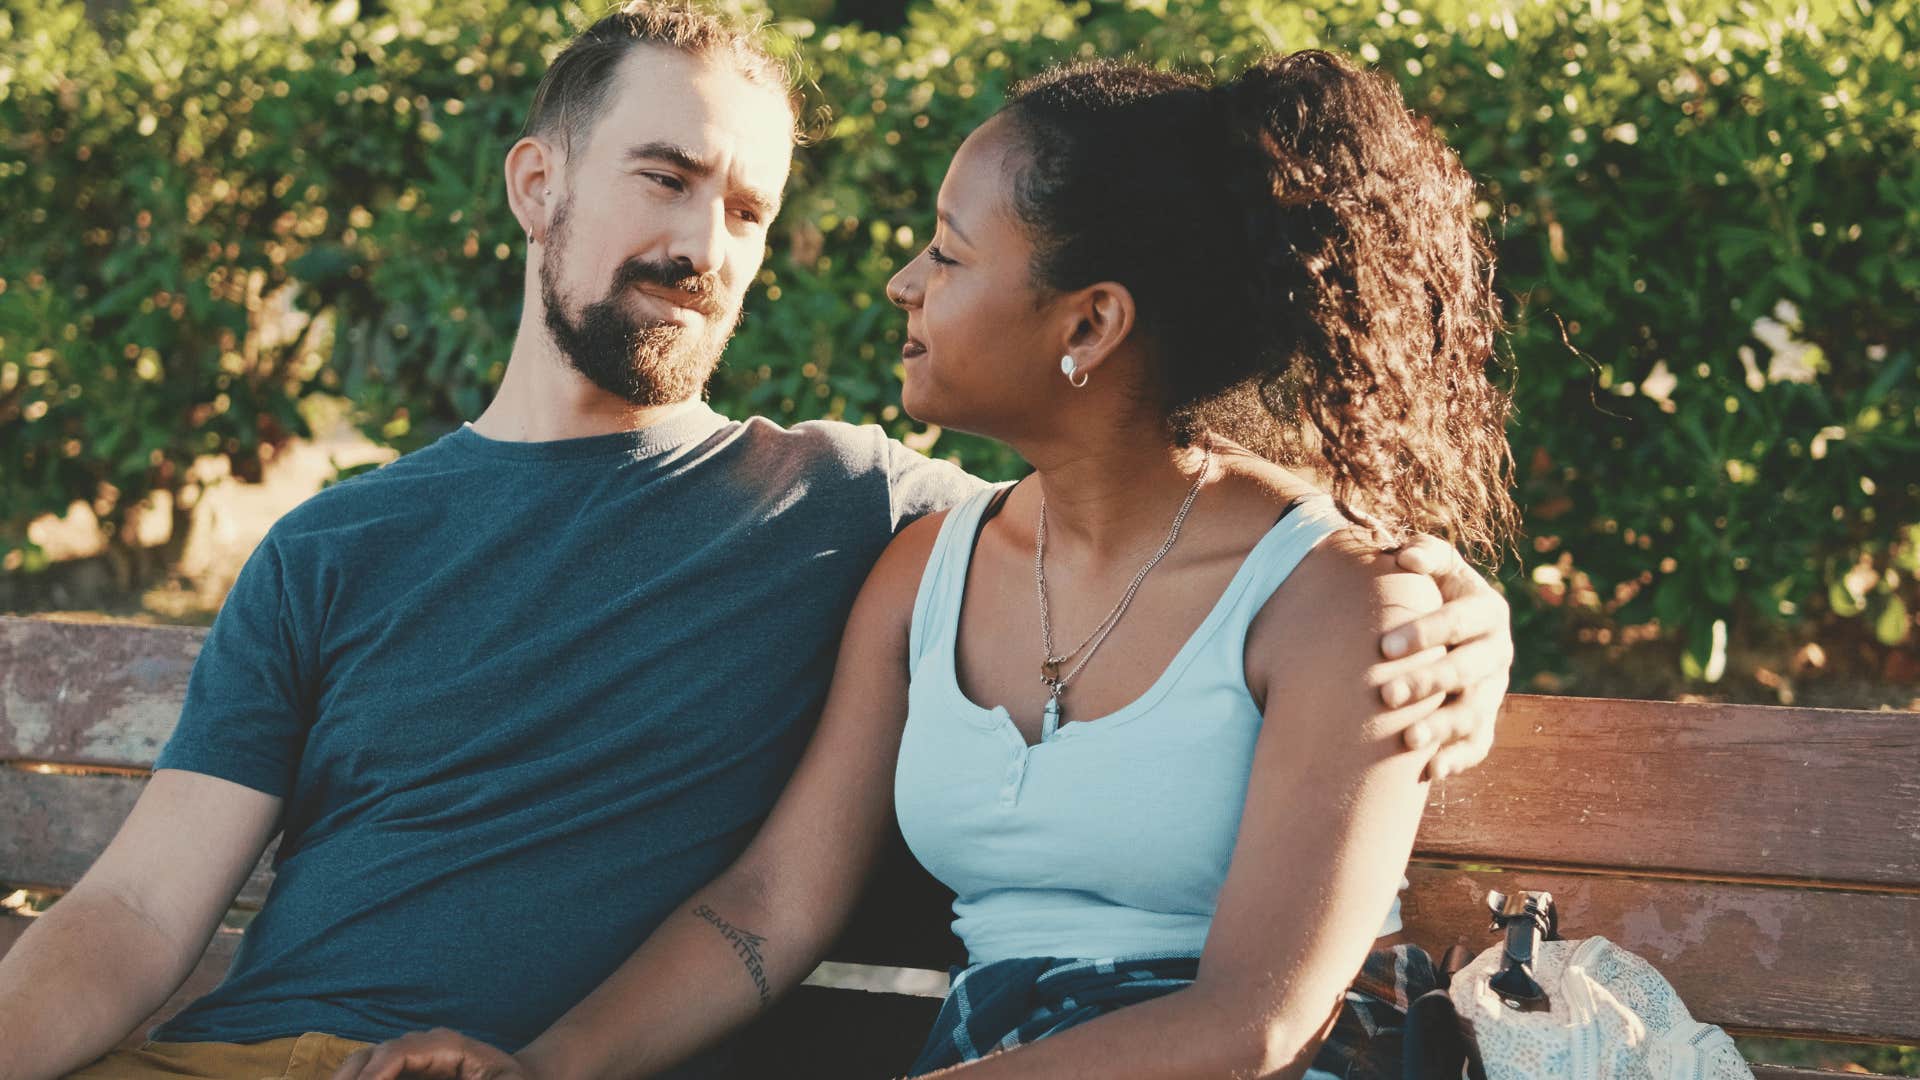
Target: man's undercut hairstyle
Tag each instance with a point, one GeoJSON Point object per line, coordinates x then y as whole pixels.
{"type": "Point", "coordinates": [574, 89]}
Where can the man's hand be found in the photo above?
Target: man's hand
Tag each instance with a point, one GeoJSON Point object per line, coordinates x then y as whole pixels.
{"type": "Point", "coordinates": [438, 1054]}
{"type": "Point", "coordinates": [1473, 624]}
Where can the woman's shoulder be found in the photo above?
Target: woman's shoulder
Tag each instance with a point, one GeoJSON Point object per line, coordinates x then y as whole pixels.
{"type": "Point", "coordinates": [912, 546]}
{"type": "Point", "coordinates": [886, 602]}
{"type": "Point", "coordinates": [904, 562]}
{"type": "Point", "coordinates": [1317, 638]}
{"type": "Point", "coordinates": [1342, 594]}
{"type": "Point", "coordinates": [1351, 564]}
{"type": "Point", "coordinates": [906, 555]}
{"type": "Point", "coordinates": [1348, 557]}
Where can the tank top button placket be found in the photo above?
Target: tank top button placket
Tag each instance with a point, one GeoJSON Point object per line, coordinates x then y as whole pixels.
{"type": "Point", "coordinates": [1017, 767]}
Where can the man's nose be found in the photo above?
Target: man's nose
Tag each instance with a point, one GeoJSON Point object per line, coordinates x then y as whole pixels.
{"type": "Point", "coordinates": [699, 240]}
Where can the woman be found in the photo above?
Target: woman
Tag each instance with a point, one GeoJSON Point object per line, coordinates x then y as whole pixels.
{"type": "Point", "coordinates": [1128, 707]}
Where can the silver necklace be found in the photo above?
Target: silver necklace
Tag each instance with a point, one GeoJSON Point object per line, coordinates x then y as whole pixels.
{"type": "Point", "coordinates": [1050, 667]}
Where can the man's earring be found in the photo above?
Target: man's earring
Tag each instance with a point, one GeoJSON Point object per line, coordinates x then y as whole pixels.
{"type": "Point", "coordinates": [545, 192]}
{"type": "Point", "coordinates": [1067, 368]}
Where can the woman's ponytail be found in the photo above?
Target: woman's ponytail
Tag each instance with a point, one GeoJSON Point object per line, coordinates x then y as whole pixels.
{"type": "Point", "coordinates": [1349, 317]}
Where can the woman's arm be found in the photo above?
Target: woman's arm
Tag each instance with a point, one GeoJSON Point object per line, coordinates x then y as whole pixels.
{"type": "Point", "coordinates": [760, 927]}
{"type": "Point", "coordinates": [1332, 805]}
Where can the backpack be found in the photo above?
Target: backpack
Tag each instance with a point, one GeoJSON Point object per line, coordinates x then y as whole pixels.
{"type": "Point", "coordinates": [1535, 1006]}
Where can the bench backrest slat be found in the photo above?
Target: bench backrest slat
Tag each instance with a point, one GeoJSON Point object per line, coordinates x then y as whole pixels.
{"type": "Point", "coordinates": [91, 693]}
{"type": "Point", "coordinates": [57, 825]}
{"type": "Point", "coordinates": [1709, 839]}
{"type": "Point", "coordinates": [1728, 790]}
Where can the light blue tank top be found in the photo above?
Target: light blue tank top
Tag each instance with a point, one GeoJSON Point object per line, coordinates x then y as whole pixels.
{"type": "Point", "coordinates": [1112, 838]}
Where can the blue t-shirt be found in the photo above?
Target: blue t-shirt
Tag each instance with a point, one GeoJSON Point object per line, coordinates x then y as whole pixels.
{"type": "Point", "coordinates": [521, 700]}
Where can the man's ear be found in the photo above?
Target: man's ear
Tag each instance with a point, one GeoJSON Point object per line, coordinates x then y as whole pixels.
{"type": "Point", "coordinates": [532, 169]}
{"type": "Point", "coordinates": [1098, 319]}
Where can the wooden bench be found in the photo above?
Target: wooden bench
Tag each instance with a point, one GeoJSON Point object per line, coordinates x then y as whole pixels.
{"type": "Point", "coordinates": [1767, 860]}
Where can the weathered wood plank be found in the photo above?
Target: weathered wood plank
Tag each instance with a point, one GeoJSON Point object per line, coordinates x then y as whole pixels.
{"type": "Point", "coordinates": [1753, 957]}
{"type": "Point", "coordinates": [1740, 790]}
{"type": "Point", "coordinates": [1820, 962]}
{"type": "Point", "coordinates": [55, 826]}
{"type": "Point", "coordinates": [206, 975]}
{"type": "Point", "coordinates": [1790, 1073]}
{"type": "Point", "coordinates": [1736, 791]}
{"type": "Point", "coordinates": [91, 693]}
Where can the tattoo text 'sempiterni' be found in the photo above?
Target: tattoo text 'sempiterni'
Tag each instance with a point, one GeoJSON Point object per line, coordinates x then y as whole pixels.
{"type": "Point", "coordinates": [745, 943]}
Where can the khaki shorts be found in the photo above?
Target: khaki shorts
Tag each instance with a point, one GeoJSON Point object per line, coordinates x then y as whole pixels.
{"type": "Point", "coordinates": [303, 1057]}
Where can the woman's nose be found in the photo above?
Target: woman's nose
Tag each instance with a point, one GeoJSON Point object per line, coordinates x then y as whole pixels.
{"type": "Point", "coordinates": [902, 289]}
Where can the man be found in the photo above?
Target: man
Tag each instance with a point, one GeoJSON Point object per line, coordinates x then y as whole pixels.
{"type": "Point", "coordinates": [512, 698]}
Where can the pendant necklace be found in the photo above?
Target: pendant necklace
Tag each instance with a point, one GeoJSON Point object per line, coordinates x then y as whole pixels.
{"type": "Point", "coordinates": [1050, 666]}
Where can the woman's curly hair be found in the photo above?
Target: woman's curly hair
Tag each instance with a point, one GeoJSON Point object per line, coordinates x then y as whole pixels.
{"type": "Point", "coordinates": [1304, 255]}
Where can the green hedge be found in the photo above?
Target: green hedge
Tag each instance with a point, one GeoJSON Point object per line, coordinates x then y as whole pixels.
{"type": "Point", "coordinates": [1705, 224]}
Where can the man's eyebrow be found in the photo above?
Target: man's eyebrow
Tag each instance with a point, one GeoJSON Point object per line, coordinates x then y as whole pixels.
{"type": "Point", "coordinates": [763, 204]}
{"type": "Point", "coordinates": [947, 220]}
{"type": "Point", "coordinates": [673, 154]}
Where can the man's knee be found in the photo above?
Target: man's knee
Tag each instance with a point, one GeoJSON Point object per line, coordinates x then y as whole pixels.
{"type": "Point", "coordinates": [313, 1056]}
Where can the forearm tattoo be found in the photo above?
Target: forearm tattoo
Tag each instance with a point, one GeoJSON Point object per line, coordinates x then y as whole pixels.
{"type": "Point", "coordinates": [745, 944]}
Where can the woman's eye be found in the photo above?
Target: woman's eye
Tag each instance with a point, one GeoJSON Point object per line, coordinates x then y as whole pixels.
{"type": "Point", "coordinates": [748, 216]}
{"type": "Point", "coordinates": [938, 256]}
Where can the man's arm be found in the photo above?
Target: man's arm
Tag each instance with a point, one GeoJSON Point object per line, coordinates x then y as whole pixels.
{"type": "Point", "coordinates": [109, 952]}
{"type": "Point", "coordinates": [1467, 682]}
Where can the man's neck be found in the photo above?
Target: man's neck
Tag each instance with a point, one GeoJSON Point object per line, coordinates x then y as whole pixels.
{"type": "Point", "coordinates": [542, 399]}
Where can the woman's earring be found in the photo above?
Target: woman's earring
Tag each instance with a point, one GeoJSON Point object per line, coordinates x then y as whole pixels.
{"type": "Point", "coordinates": [1067, 369]}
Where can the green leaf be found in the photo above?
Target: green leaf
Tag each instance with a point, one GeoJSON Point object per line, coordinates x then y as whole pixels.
{"type": "Point", "coordinates": [1895, 369]}
{"type": "Point", "coordinates": [1893, 625]}
{"type": "Point", "coordinates": [1720, 582]}
{"type": "Point", "coordinates": [1705, 658]}
{"type": "Point", "coordinates": [325, 265]}
{"type": "Point", "coordinates": [1843, 602]}
{"type": "Point", "coordinates": [1907, 555]}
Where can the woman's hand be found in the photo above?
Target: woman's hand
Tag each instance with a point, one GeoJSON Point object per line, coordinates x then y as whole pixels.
{"type": "Point", "coordinates": [1466, 684]}
{"type": "Point", "coordinates": [439, 1054]}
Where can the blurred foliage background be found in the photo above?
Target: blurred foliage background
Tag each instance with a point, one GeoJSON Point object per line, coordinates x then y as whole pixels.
{"type": "Point", "coordinates": [220, 213]}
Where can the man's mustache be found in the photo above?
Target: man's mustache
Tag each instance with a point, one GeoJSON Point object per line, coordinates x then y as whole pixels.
{"type": "Point", "coordinates": [702, 291]}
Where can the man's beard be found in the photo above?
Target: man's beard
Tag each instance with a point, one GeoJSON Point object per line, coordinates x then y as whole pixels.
{"type": "Point", "coordinates": [644, 362]}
